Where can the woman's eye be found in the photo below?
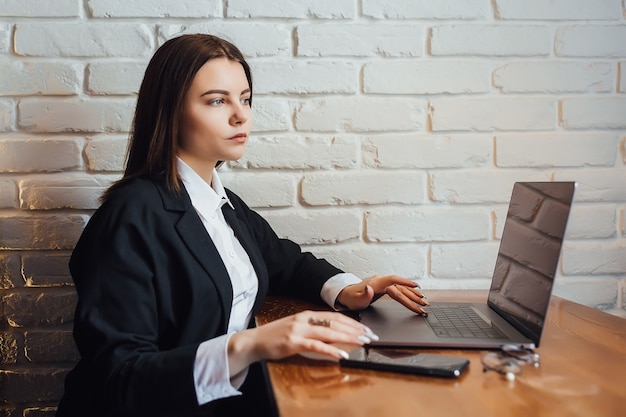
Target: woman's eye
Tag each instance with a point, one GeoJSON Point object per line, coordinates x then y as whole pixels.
{"type": "Point", "coordinates": [245, 101]}
{"type": "Point", "coordinates": [216, 102]}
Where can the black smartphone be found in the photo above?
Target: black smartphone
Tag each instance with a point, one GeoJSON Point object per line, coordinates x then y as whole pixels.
{"type": "Point", "coordinates": [397, 360]}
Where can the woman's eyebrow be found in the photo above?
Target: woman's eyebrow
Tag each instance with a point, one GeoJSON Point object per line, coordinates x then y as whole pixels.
{"type": "Point", "coordinates": [223, 92]}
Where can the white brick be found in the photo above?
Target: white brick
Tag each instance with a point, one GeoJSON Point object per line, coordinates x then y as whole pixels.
{"type": "Point", "coordinates": [498, 217]}
{"type": "Point", "coordinates": [360, 40]}
{"type": "Point", "coordinates": [361, 114]}
{"type": "Point", "coordinates": [598, 185]}
{"type": "Point", "coordinates": [427, 224]}
{"type": "Point", "coordinates": [554, 77]}
{"type": "Point", "coordinates": [8, 193]}
{"type": "Point", "coordinates": [426, 77]}
{"type": "Point", "coordinates": [455, 284]}
{"type": "Point", "coordinates": [7, 115]}
{"type": "Point", "coordinates": [107, 78]}
{"type": "Point", "coordinates": [155, 8]}
{"type": "Point", "coordinates": [37, 8]}
{"type": "Point", "coordinates": [296, 152]}
{"type": "Point", "coordinates": [270, 115]}
{"type": "Point", "coordinates": [608, 258]}
{"type": "Point", "coordinates": [463, 261]}
{"type": "Point", "coordinates": [623, 220]}
{"type": "Point", "coordinates": [622, 77]}
{"type": "Point", "coordinates": [289, 77]}
{"type": "Point", "coordinates": [490, 40]}
{"type": "Point", "coordinates": [83, 40]}
{"type": "Point", "coordinates": [46, 269]}
{"type": "Point", "coordinates": [557, 10]}
{"type": "Point", "coordinates": [62, 191]}
{"type": "Point", "coordinates": [493, 113]}
{"type": "Point", "coordinates": [591, 41]}
{"type": "Point", "coordinates": [45, 78]}
{"type": "Point", "coordinates": [253, 39]}
{"type": "Point", "coordinates": [427, 151]}
{"type": "Point", "coordinates": [597, 292]}
{"type": "Point", "coordinates": [76, 115]}
{"type": "Point", "coordinates": [316, 9]}
{"type": "Point", "coordinates": [316, 227]}
{"type": "Point", "coordinates": [426, 9]}
{"type": "Point", "coordinates": [479, 186]}
{"type": "Point", "coordinates": [106, 154]}
{"type": "Point", "coordinates": [268, 190]}
{"type": "Point", "coordinates": [591, 222]}
{"type": "Point", "coordinates": [5, 36]}
{"type": "Point", "coordinates": [364, 261]}
{"type": "Point", "coordinates": [594, 113]}
{"type": "Point", "coordinates": [41, 232]}
{"type": "Point", "coordinates": [556, 150]}
{"type": "Point", "coordinates": [40, 155]}
{"type": "Point", "coordinates": [363, 187]}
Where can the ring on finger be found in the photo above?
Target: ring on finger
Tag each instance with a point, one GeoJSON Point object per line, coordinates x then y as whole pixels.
{"type": "Point", "coordinates": [319, 322]}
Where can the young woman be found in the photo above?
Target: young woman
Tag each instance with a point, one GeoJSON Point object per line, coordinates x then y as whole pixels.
{"type": "Point", "coordinates": [172, 268]}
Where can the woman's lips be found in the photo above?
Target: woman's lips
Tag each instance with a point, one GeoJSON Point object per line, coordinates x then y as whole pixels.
{"type": "Point", "coordinates": [239, 138]}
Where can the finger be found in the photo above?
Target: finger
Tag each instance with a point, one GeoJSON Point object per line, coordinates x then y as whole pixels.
{"type": "Point", "coordinates": [312, 345]}
{"type": "Point", "coordinates": [334, 320]}
{"type": "Point", "coordinates": [403, 281]}
{"type": "Point", "coordinates": [337, 335]}
{"type": "Point", "coordinates": [413, 295]}
{"type": "Point", "coordinates": [343, 324]}
{"type": "Point", "coordinates": [397, 294]}
{"type": "Point", "coordinates": [381, 282]}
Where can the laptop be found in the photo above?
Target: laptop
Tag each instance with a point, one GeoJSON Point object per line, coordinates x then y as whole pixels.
{"type": "Point", "coordinates": [521, 284]}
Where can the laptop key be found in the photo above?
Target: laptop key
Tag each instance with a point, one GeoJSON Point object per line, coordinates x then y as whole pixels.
{"type": "Point", "coordinates": [460, 322]}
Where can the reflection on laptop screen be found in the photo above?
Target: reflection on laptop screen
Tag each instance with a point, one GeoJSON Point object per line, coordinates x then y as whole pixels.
{"type": "Point", "coordinates": [529, 253]}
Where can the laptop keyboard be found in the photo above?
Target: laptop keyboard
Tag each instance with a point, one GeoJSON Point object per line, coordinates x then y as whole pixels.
{"type": "Point", "coordinates": [460, 321]}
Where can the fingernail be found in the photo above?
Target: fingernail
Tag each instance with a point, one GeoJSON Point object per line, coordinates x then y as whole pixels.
{"type": "Point", "coordinates": [424, 314]}
{"type": "Point", "coordinates": [364, 339]}
{"type": "Point", "coordinates": [425, 302]}
{"type": "Point", "coordinates": [373, 336]}
{"type": "Point", "coordinates": [370, 334]}
{"type": "Point", "coordinates": [343, 353]}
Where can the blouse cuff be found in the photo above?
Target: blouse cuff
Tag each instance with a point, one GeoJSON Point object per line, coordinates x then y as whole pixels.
{"type": "Point", "coordinates": [211, 374]}
{"type": "Point", "coordinates": [332, 288]}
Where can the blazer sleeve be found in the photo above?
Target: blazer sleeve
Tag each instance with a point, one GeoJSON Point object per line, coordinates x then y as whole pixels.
{"type": "Point", "coordinates": [291, 271]}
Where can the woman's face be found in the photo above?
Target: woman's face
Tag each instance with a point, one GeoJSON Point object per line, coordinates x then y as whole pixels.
{"type": "Point", "coordinates": [216, 118]}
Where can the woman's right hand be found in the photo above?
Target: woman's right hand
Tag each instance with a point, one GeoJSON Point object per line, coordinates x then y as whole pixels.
{"type": "Point", "coordinates": [308, 331]}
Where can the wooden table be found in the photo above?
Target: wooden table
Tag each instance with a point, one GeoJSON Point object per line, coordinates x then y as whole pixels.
{"type": "Point", "coordinates": [582, 373]}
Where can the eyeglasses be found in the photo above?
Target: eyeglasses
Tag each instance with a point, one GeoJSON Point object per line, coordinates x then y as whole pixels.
{"type": "Point", "coordinates": [509, 360]}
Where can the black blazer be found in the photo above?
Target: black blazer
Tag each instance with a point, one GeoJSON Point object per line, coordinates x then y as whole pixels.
{"type": "Point", "coordinates": [152, 286]}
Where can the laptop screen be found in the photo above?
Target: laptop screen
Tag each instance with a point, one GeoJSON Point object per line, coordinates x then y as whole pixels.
{"type": "Point", "coordinates": [529, 254]}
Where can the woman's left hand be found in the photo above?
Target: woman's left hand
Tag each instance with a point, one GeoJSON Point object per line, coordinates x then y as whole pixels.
{"type": "Point", "coordinates": [406, 292]}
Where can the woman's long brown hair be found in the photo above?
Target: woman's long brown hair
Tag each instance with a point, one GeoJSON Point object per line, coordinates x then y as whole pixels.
{"type": "Point", "coordinates": [154, 133]}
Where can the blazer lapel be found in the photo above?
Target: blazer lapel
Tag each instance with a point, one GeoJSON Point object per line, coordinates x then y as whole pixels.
{"type": "Point", "coordinates": [197, 240]}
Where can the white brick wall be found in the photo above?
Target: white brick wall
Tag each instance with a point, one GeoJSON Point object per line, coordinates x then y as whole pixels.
{"type": "Point", "coordinates": [36, 8]}
{"type": "Point", "coordinates": [155, 8]}
{"type": "Point", "coordinates": [426, 9]}
{"type": "Point", "coordinates": [387, 133]}
{"type": "Point", "coordinates": [45, 78]}
{"type": "Point", "coordinates": [558, 10]}
{"type": "Point", "coordinates": [490, 40]}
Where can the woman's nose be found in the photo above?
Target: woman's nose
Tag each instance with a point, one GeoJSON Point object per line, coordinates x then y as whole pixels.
{"type": "Point", "coordinates": [240, 114]}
